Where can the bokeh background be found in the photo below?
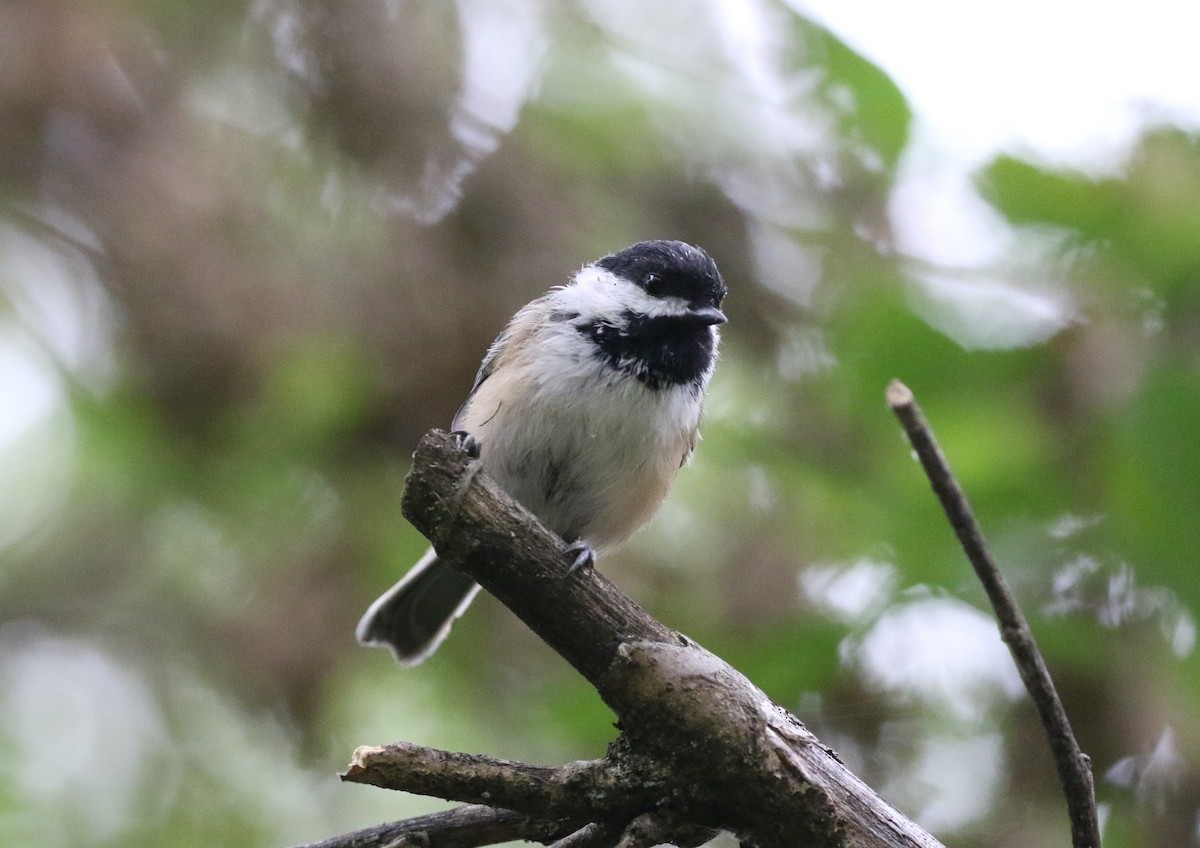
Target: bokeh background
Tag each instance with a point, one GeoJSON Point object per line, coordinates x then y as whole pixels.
{"type": "Point", "coordinates": [250, 251]}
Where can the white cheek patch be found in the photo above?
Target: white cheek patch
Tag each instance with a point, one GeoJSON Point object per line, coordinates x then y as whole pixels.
{"type": "Point", "coordinates": [600, 294]}
{"type": "Point", "coordinates": [666, 307]}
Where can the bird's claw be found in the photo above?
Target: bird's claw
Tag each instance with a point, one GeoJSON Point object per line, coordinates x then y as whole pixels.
{"type": "Point", "coordinates": [467, 442]}
{"type": "Point", "coordinates": [585, 557]}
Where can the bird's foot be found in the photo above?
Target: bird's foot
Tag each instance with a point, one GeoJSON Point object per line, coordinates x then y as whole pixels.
{"type": "Point", "coordinates": [584, 556]}
{"type": "Point", "coordinates": [467, 442]}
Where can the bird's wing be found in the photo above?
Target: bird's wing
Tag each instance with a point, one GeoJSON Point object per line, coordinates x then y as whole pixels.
{"type": "Point", "coordinates": [511, 338]}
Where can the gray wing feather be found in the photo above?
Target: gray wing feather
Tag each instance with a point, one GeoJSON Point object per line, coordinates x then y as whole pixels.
{"type": "Point", "coordinates": [485, 370]}
{"type": "Point", "coordinates": [519, 329]}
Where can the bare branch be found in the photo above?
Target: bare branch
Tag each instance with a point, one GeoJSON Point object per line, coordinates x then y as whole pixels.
{"type": "Point", "coordinates": [650, 829]}
{"type": "Point", "coordinates": [1074, 767]}
{"type": "Point", "coordinates": [712, 749]}
{"type": "Point", "coordinates": [464, 827]}
{"type": "Point", "coordinates": [594, 835]}
{"type": "Point", "coordinates": [574, 792]}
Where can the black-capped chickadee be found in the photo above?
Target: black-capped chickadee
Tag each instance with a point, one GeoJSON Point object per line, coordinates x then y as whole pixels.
{"type": "Point", "coordinates": [585, 407]}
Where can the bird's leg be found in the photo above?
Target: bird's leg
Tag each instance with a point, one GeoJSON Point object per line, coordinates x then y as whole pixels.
{"type": "Point", "coordinates": [467, 442]}
{"type": "Point", "coordinates": [584, 556]}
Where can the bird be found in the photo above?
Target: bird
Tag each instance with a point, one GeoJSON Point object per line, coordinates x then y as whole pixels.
{"type": "Point", "coordinates": [584, 409]}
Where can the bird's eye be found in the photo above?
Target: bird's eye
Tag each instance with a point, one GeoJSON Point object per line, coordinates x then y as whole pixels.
{"type": "Point", "coordinates": [653, 283]}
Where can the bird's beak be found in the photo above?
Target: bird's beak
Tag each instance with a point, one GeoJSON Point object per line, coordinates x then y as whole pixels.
{"type": "Point", "coordinates": [708, 315]}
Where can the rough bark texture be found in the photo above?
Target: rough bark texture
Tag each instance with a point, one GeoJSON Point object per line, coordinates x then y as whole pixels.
{"type": "Point", "coordinates": [463, 827]}
{"type": "Point", "coordinates": [701, 747]}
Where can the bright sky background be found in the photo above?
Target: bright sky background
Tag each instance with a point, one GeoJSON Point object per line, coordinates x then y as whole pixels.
{"type": "Point", "coordinates": [1068, 83]}
{"type": "Point", "coordinates": [1067, 79]}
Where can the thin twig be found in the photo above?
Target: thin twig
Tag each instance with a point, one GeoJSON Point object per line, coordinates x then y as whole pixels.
{"type": "Point", "coordinates": [462, 827]}
{"type": "Point", "coordinates": [663, 828]}
{"type": "Point", "coordinates": [594, 835]}
{"type": "Point", "coordinates": [1074, 767]}
{"type": "Point", "coordinates": [572, 790]}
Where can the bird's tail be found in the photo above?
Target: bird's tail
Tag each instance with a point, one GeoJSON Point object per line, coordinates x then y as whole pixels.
{"type": "Point", "coordinates": [414, 616]}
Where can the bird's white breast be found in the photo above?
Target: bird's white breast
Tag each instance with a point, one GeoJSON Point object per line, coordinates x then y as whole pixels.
{"type": "Point", "coordinates": [588, 449]}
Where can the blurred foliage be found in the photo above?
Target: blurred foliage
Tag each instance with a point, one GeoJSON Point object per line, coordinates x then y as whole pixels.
{"type": "Point", "coordinates": [249, 252]}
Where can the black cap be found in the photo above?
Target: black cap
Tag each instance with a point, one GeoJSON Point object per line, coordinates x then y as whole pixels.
{"type": "Point", "coordinates": [670, 269]}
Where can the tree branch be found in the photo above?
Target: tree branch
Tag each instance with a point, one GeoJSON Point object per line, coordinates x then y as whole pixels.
{"type": "Point", "coordinates": [701, 748]}
{"type": "Point", "coordinates": [464, 827]}
{"type": "Point", "coordinates": [710, 746]}
{"type": "Point", "coordinates": [1074, 766]}
{"type": "Point", "coordinates": [593, 835]}
{"type": "Point", "coordinates": [572, 793]}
